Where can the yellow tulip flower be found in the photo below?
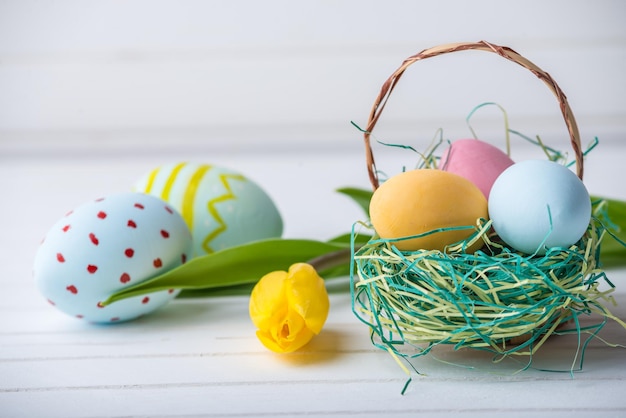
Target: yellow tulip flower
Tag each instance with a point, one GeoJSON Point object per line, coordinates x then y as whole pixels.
{"type": "Point", "coordinates": [289, 307]}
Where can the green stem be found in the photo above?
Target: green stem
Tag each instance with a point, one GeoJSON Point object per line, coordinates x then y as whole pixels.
{"type": "Point", "coordinates": [331, 260]}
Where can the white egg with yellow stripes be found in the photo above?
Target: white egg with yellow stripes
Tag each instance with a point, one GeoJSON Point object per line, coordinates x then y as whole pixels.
{"type": "Point", "coordinates": [221, 207]}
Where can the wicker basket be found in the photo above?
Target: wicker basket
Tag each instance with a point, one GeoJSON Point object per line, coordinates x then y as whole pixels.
{"type": "Point", "coordinates": [414, 301]}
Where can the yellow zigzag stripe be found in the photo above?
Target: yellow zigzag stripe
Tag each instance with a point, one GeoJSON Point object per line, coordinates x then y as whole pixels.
{"type": "Point", "coordinates": [213, 211]}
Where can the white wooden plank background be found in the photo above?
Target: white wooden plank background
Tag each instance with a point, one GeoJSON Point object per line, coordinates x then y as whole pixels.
{"type": "Point", "coordinates": [95, 93]}
{"type": "Point", "coordinates": [274, 74]}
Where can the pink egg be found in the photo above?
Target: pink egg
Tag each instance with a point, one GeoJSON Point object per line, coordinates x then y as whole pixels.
{"type": "Point", "coordinates": [477, 161]}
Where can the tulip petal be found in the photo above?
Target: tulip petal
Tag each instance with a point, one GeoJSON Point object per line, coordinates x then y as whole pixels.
{"type": "Point", "coordinates": [268, 299]}
{"type": "Point", "coordinates": [286, 328]}
{"type": "Point", "coordinates": [290, 333]}
{"type": "Point", "coordinates": [268, 341]}
{"type": "Point", "coordinates": [299, 341]}
{"type": "Point", "coordinates": [307, 295]}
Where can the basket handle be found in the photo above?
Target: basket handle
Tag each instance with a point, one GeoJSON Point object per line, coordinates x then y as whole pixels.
{"type": "Point", "coordinates": [504, 52]}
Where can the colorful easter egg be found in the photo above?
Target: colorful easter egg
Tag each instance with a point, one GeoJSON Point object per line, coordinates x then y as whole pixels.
{"type": "Point", "coordinates": [221, 207]}
{"type": "Point", "coordinates": [106, 245]}
{"type": "Point", "coordinates": [479, 162]}
{"type": "Point", "coordinates": [422, 201]}
{"type": "Point", "coordinates": [539, 204]}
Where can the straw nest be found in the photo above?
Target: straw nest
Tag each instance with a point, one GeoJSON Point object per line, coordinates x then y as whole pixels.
{"type": "Point", "coordinates": [495, 299]}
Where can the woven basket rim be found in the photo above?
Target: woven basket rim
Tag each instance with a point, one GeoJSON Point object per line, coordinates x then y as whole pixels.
{"type": "Point", "coordinates": [503, 51]}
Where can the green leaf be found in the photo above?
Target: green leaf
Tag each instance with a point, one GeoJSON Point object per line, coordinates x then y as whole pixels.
{"type": "Point", "coordinates": [240, 265]}
{"type": "Point", "coordinates": [359, 240]}
{"type": "Point", "coordinates": [613, 248]}
{"type": "Point", "coordinates": [234, 290]}
{"type": "Point", "coordinates": [338, 284]}
{"type": "Point", "coordinates": [360, 196]}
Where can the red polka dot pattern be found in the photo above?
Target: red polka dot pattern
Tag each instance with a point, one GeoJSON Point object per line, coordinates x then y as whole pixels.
{"type": "Point", "coordinates": [102, 238]}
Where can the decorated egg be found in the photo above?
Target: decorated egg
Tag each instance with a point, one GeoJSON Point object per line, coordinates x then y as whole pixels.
{"type": "Point", "coordinates": [420, 201]}
{"type": "Point", "coordinates": [536, 204]}
{"type": "Point", "coordinates": [477, 161]}
{"type": "Point", "coordinates": [106, 245]}
{"type": "Point", "coordinates": [221, 207]}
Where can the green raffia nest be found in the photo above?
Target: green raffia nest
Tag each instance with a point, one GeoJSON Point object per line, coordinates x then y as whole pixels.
{"type": "Point", "coordinates": [495, 299]}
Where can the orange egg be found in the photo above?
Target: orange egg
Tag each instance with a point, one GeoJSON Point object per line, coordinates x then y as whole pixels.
{"type": "Point", "coordinates": [423, 200]}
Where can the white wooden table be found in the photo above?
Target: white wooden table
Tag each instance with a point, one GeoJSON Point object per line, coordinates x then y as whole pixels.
{"type": "Point", "coordinates": [95, 94]}
{"type": "Point", "coordinates": [200, 357]}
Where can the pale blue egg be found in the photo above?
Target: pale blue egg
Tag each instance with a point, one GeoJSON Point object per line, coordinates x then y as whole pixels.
{"type": "Point", "coordinates": [106, 245]}
{"type": "Point", "coordinates": [221, 207]}
{"type": "Point", "coordinates": [539, 204]}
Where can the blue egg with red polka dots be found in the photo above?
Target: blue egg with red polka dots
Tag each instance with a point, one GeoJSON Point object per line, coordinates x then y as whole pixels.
{"type": "Point", "coordinates": [106, 245]}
